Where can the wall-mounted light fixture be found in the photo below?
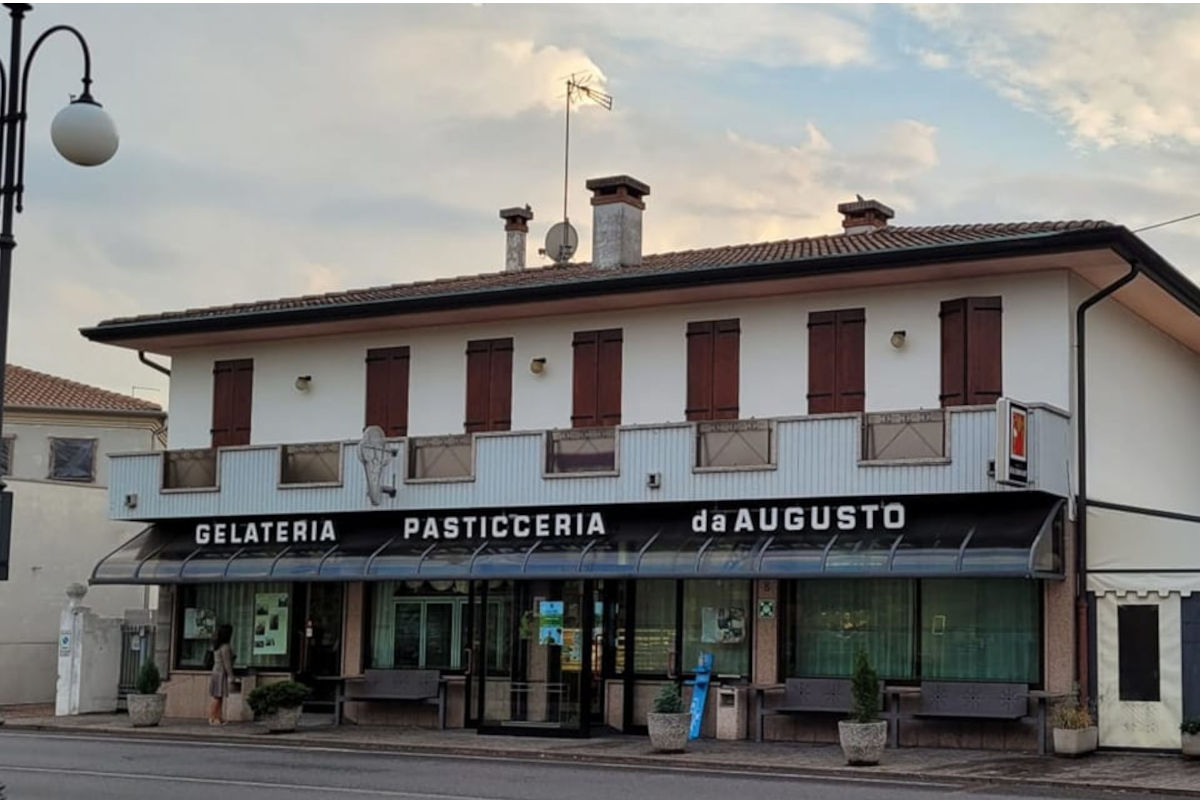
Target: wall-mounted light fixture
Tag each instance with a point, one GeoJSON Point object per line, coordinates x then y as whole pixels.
{"type": "Point", "coordinates": [898, 339]}
{"type": "Point", "coordinates": [537, 366]}
{"type": "Point", "coordinates": [303, 382]}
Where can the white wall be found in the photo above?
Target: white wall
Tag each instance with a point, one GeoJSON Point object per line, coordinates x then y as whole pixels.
{"type": "Point", "coordinates": [773, 362]}
{"type": "Point", "coordinates": [59, 533]}
{"type": "Point", "coordinates": [31, 445]}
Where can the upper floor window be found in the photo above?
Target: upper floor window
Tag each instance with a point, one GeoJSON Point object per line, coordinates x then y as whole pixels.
{"type": "Point", "coordinates": [233, 387]}
{"type": "Point", "coordinates": [489, 385]}
{"type": "Point", "coordinates": [72, 459]}
{"type": "Point", "coordinates": [971, 351]}
{"type": "Point", "coordinates": [596, 391]}
{"type": "Point", "coordinates": [712, 369]}
{"type": "Point", "coordinates": [6, 454]}
{"type": "Point", "coordinates": [836, 363]}
{"type": "Point", "coordinates": [387, 389]}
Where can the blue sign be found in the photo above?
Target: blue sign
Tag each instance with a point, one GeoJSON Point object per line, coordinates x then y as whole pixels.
{"type": "Point", "coordinates": [700, 692]}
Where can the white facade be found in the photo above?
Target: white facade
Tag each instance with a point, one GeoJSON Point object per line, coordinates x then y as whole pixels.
{"type": "Point", "coordinates": [773, 362]}
{"type": "Point", "coordinates": [60, 530]}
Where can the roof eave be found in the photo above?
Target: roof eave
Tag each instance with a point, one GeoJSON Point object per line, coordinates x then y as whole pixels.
{"type": "Point", "coordinates": [1118, 238]}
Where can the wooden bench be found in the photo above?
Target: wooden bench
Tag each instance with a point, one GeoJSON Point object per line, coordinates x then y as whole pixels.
{"type": "Point", "coordinates": [808, 696]}
{"type": "Point", "coordinates": [395, 685]}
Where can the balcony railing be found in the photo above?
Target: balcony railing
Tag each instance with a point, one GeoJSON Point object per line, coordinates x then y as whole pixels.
{"type": "Point", "coordinates": [932, 452]}
{"type": "Point", "coordinates": [734, 444]}
{"type": "Point", "coordinates": [581, 450]}
{"type": "Point", "coordinates": [302, 464]}
{"type": "Point", "coordinates": [190, 469]}
{"type": "Point", "coordinates": [433, 458]}
{"type": "Point", "coordinates": [904, 435]}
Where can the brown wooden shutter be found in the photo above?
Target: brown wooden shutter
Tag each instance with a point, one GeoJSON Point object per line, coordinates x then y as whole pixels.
{"type": "Point", "coordinates": [713, 369]}
{"type": "Point", "coordinates": [489, 385]}
{"type": "Point", "coordinates": [699, 370]}
{"type": "Point", "coordinates": [726, 371]}
{"type": "Point", "coordinates": [233, 388]}
{"type": "Point", "coordinates": [984, 347]}
{"type": "Point", "coordinates": [387, 389]}
{"type": "Point", "coordinates": [836, 361]}
{"type": "Point", "coordinates": [972, 370]}
{"type": "Point", "coordinates": [597, 379]}
{"type": "Point", "coordinates": [851, 360]}
{"type": "Point", "coordinates": [822, 362]}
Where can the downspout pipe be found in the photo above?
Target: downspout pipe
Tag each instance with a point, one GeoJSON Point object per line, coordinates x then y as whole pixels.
{"type": "Point", "coordinates": [153, 365]}
{"type": "Point", "coordinates": [1086, 685]}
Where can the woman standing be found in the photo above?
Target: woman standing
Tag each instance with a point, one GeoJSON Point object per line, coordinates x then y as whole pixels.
{"type": "Point", "coordinates": [222, 674]}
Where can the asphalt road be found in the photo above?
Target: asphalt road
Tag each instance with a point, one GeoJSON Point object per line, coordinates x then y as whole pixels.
{"type": "Point", "coordinates": [54, 767]}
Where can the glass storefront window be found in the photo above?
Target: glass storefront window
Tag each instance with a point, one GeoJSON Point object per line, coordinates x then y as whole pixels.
{"type": "Point", "coordinates": [832, 619]}
{"type": "Point", "coordinates": [980, 630]}
{"type": "Point", "coordinates": [260, 614]}
{"type": "Point", "coordinates": [418, 624]}
{"type": "Point", "coordinates": [654, 639]}
{"type": "Point", "coordinates": [717, 620]}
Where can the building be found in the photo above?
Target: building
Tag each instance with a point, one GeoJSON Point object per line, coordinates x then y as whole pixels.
{"type": "Point", "coordinates": [587, 475]}
{"type": "Point", "coordinates": [57, 436]}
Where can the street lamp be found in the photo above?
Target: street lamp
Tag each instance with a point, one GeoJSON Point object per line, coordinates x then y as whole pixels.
{"type": "Point", "coordinates": [82, 132]}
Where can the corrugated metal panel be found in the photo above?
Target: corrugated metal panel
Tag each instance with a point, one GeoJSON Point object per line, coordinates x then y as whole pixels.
{"type": "Point", "coordinates": [817, 457]}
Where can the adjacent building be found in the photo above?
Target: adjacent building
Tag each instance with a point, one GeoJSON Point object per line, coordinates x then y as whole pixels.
{"type": "Point", "coordinates": [54, 458]}
{"type": "Point", "coordinates": [576, 479]}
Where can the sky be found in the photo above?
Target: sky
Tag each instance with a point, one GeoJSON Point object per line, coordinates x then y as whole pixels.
{"type": "Point", "coordinates": [271, 151]}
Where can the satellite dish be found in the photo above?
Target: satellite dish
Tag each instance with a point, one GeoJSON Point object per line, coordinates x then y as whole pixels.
{"type": "Point", "coordinates": [561, 242]}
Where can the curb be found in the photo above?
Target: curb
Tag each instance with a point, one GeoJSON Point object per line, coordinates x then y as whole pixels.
{"type": "Point", "coordinates": [646, 761]}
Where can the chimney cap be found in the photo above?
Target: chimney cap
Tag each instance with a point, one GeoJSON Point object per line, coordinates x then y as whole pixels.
{"type": "Point", "coordinates": [860, 206]}
{"type": "Point", "coordinates": [516, 212]}
{"type": "Point", "coordinates": [614, 183]}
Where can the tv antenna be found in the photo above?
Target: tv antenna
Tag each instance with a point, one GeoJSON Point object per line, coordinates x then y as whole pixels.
{"type": "Point", "coordinates": [562, 239]}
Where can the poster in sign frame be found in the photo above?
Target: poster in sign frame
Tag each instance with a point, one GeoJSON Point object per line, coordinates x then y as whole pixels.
{"type": "Point", "coordinates": [1012, 443]}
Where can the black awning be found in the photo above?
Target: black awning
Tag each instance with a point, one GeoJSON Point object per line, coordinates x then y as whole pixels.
{"type": "Point", "coordinates": [1002, 535]}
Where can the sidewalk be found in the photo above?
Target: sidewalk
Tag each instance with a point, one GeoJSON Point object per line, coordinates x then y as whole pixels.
{"type": "Point", "coordinates": [1164, 774]}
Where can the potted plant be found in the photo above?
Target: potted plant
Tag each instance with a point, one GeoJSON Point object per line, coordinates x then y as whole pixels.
{"type": "Point", "coordinates": [1190, 736]}
{"type": "Point", "coordinates": [864, 735]}
{"type": "Point", "coordinates": [669, 724]}
{"type": "Point", "coordinates": [277, 705]}
{"type": "Point", "coordinates": [146, 706]}
{"type": "Point", "coordinates": [1075, 732]}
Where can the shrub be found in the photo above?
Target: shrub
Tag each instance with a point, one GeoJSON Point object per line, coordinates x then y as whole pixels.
{"type": "Point", "coordinates": [668, 700]}
{"type": "Point", "coordinates": [1190, 726]}
{"type": "Point", "coordinates": [864, 687]}
{"type": "Point", "coordinates": [1070, 714]}
{"type": "Point", "coordinates": [268, 699]}
{"type": "Point", "coordinates": [148, 679]}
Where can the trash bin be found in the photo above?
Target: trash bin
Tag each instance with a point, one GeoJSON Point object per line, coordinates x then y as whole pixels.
{"type": "Point", "coordinates": [731, 712]}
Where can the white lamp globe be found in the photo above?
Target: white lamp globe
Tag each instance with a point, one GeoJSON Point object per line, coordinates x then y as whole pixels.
{"type": "Point", "coordinates": [84, 134]}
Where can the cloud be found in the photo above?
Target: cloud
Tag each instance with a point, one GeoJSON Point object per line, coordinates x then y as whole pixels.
{"type": "Point", "coordinates": [933, 59]}
{"type": "Point", "coordinates": [1112, 75]}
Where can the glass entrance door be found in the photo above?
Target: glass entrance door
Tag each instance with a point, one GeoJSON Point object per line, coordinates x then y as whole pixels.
{"type": "Point", "coordinates": [537, 672]}
{"type": "Point", "coordinates": [321, 651]}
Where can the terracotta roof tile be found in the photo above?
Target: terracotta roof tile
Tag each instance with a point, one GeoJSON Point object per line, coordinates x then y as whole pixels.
{"type": "Point", "coordinates": [30, 389]}
{"type": "Point", "coordinates": [884, 239]}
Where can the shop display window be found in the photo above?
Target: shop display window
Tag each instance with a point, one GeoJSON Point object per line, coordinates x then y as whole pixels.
{"type": "Point", "coordinates": [832, 619]}
{"type": "Point", "coordinates": [980, 630]}
{"type": "Point", "coordinates": [260, 614]}
{"type": "Point", "coordinates": [654, 637]}
{"type": "Point", "coordinates": [717, 619]}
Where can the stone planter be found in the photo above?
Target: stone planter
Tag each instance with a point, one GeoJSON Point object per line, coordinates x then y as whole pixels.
{"type": "Point", "coordinates": [284, 720]}
{"type": "Point", "coordinates": [146, 710]}
{"type": "Point", "coordinates": [1076, 741]}
{"type": "Point", "coordinates": [1190, 745]}
{"type": "Point", "coordinates": [862, 742]}
{"type": "Point", "coordinates": [669, 732]}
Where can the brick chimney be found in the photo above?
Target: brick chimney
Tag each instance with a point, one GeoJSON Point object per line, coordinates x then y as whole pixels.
{"type": "Point", "coordinates": [864, 216]}
{"type": "Point", "coordinates": [516, 228]}
{"type": "Point", "coordinates": [617, 221]}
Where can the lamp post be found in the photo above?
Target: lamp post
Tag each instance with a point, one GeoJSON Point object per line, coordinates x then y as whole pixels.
{"type": "Point", "coordinates": [82, 133]}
